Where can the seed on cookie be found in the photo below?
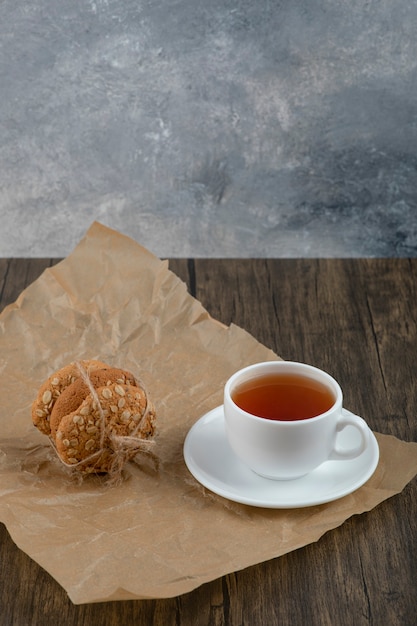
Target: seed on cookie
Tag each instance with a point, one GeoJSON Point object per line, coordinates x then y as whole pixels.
{"type": "Point", "coordinates": [106, 393]}
{"type": "Point", "coordinates": [125, 416]}
{"type": "Point", "coordinates": [121, 403]}
{"type": "Point", "coordinates": [85, 410]}
{"type": "Point", "coordinates": [47, 397]}
{"type": "Point", "coordinates": [78, 419]}
{"type": "Point", "coordinates": [90, 443]}
{"type": "Point", "coordinates": [119, 390]}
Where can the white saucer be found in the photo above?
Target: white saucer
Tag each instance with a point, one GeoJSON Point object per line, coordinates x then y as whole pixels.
{"type": "Point", "coordinates": [211, 461]}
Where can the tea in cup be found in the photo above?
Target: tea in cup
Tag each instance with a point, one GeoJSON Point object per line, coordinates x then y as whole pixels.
{"type": "Point", "coordinates": [282, 419]}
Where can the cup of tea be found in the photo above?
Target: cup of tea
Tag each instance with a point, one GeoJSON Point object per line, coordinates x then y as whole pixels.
{"type": "Point", "coordinates": [282, 419]}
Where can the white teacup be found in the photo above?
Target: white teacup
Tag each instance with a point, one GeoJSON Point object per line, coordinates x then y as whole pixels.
{"type": "Point", "coordinates": [287, 445]}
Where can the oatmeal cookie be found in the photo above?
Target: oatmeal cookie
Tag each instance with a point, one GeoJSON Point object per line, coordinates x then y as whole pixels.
{"type": "Point", "coordinates": [74, 394]}
{"type": "Point", "coordinates": [96, 432]}
{"type": "Point", "coordinates": [52, 388]}
{"type": "Point", "coordinates": [97, 417]}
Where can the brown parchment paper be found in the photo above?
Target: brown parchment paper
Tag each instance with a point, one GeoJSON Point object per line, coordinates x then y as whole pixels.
{"type": "Point", "coordinates": [159, 533]}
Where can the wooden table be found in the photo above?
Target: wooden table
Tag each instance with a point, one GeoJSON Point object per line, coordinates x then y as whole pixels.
{"type": "Point", "coordinates": [357, 319]}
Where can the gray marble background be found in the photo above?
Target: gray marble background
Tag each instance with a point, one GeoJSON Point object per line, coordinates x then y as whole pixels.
{"type": "Point", "coordinates": [210, 127]}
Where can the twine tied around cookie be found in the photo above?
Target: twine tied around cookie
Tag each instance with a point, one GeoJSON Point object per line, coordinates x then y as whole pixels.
{"type": "Point", "coordinates": [114, 449]}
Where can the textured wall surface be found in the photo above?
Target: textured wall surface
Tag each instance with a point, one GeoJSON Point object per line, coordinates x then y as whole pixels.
{"type": "Point", "coordinates": [210, 128]}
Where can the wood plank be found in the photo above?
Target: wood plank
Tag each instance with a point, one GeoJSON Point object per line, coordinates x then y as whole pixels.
{"type": "Point", "coordinates": [355, 318]}
{"type": "Point", "coordinates": [16, 274]}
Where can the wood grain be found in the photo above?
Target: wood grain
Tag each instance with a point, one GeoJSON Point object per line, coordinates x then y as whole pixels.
{"type": "Point", "coordinates": [357, 319]}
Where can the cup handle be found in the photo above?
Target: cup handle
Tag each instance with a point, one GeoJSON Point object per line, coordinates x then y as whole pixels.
{"type": "Point", "coordinates": [349, 419]}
